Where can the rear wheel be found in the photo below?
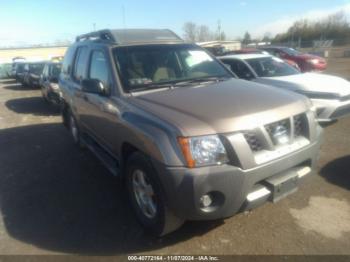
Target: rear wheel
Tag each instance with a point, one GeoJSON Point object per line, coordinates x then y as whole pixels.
{"type": "Point", "coordinates": [146, 197]}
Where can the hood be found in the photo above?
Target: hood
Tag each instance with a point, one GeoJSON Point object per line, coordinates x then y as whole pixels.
{"type": "Point", "coordinates": [311, 82]}
{"type": "Point", "coordinates": [222, 107]}
{"type": "Point", "coordinates": [309, 56]}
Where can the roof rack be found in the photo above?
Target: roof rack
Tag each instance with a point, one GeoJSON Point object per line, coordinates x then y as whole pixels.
{"type": "Point", "coordinates": [132, 36]}
{"type": "Point", "coordinates": [101, 34]}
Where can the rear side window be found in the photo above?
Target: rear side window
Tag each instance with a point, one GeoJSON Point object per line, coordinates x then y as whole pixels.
{"type": "Point", "coordinates": [99, 67]}
{"type": "Point", "coordinates": [240, 69]}
{"type": "Point", "coordinates": [80, 63]}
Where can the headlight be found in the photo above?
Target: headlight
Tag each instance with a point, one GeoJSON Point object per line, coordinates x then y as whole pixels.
{"type": "Point", "coordinates": [203, 151]}
{"type": "Point", "coordinates": [314, 61]}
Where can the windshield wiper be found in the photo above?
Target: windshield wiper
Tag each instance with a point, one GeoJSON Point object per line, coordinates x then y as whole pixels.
{"type": "Point", "coordinates": [151, 87]}
{"type": "Point", "coordinates": [201, 80]}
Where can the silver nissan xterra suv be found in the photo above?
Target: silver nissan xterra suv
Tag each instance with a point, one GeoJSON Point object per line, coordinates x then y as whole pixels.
{"type": "Point", "coordinates": [189, 140]}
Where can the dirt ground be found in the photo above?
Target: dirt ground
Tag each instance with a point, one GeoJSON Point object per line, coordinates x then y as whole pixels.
{"type": "Point", "coordinates": [55, 198]}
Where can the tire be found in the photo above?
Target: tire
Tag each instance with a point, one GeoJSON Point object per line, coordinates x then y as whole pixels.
{"type": "Point", "coordinates": [74, 130]}
{"type": "Point", "coordinates": [160, 222]}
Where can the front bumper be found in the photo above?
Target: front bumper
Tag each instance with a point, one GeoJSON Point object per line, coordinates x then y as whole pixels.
{"type": "Point", "coordinates": [230, 186]}
{"type": "Point", "coordinates": [329, 110]}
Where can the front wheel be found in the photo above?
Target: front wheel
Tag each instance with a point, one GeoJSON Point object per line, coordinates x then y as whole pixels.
{"type": "Point", "coordinates": [74, 130]}
{"type": "Point", "coordinates": [147, 199]}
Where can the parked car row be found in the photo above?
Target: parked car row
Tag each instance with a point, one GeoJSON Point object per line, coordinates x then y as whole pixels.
{"type": "Point", "coordinates": [43, 75]}
{"type": "Point", "coordinates": [189, 137]}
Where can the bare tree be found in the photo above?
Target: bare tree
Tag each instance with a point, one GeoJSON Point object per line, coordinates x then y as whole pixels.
{"type": "Point", "coordinates": [190, 31]}
{"type": "Point", "coordinates": [201, 33]}
{"type": "Point", "coordinates": [247, 38]}
{"type": "Point", "coordinates": [204, 34]}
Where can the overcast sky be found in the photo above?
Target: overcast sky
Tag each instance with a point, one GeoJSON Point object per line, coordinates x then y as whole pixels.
{"type": "Point", "coordinates": [44, 21]}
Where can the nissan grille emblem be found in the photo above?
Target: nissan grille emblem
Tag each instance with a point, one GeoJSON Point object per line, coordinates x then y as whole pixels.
{"type": "Point", "coordinates": [280, 135]}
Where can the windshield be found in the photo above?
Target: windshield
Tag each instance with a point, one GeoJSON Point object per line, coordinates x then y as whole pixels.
{"type": "Point", "coordinates": [271, 67]}
{"type": "Point", "coordinates": [56, 70]}
{"type": "Point", "coordinates": [20, 68]}
{"type": "Point", "coordinates": [36, 68]}
{"type": "Point", "coordinates": [146, 66]}
{"type": "Point", "coordinates": [291, 51]}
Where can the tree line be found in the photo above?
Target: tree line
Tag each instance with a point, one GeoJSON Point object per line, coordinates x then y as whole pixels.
{"type": "Point", "coordinates": [334, 27]}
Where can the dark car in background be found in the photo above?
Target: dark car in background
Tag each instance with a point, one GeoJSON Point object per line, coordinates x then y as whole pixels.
{"type": "Point", "coordinates": [306, 62]}
{"type": "Point", "coordinates": [32, 72]}
{"type": "Point", "coordinates": [18, 71]}
{"type": "Point", "coordinates": [49, 82]}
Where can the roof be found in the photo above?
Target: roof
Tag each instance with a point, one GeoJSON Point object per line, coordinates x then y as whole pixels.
{"type": "Point", "coordinates": [218, 42]}
{"type": "Point", "coordinates": [132, 36]}
{"type": "Point", "coordinates": [245, 56]}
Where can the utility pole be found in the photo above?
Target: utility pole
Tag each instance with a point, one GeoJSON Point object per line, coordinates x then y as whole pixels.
{"type": "Point", "coordinates": [219, 29]}
{"type": "Point", "coordinates": [94, 26]}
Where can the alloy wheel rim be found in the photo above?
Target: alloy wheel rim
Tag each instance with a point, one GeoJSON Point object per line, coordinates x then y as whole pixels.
{"type": "Point", "coordinates": [144, 194]}
{"type": "Point", "coordinates": [74, 129]}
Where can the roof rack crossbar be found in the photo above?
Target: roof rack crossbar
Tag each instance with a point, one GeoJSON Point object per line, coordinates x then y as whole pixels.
{"type": "Point", "coordinates": [101, 34]}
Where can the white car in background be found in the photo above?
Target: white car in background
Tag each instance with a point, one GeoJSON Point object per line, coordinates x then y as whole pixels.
{"type": "Point", "coordinates": [329, 94]}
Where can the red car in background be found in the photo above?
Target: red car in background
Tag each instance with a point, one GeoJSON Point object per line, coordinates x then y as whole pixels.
{"type": "Point", "coordinates": [306, 62]}
{"type": "Point", "coordinates": [258, 51]}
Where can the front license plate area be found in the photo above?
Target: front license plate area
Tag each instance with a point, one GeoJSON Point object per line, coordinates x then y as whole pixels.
{"type": "Point", "coordinates": [282, 185]}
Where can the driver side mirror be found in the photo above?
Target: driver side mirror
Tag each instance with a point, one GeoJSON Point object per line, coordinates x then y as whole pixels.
{"type": "Point", "coordinates": [93, 86]}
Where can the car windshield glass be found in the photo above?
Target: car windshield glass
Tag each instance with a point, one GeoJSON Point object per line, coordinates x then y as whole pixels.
{"type": "Point", "coordinates": [291, 51]}
{"type": "Point", "coordinates": [156, 65]}
{"type": "Point", "coordinates": [56, 70]}
{"type": "Point", "coordinates": [20, 68]}
{"type": "Point", "coordinates": [36, 68]}
{"type": "Point", "coordinates": [271, 67]}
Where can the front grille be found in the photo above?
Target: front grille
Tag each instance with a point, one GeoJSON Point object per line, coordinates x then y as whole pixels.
{"type": "Point", "coordinates": [271, 128]}
{"type": "Point", "coordinates": [254, 137]}
{"type": "Point", "coordinates": [299, 126]}
{"type": "Point", "coordinates": [253, 141]}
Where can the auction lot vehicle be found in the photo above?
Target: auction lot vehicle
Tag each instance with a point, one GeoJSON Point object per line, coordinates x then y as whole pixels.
{"type": "Point", "coordinates": [189, 141]}
{"type": "Point", "coordinates": [32, 72]}
{"type": "Point", "coordinates": [18, 71]}
{"type": "Point", "coordinates": [306, 62]}
{"type": "Point", "coordinates": [258, 51]}
{"type": "Point", "coordinates": [329, 94]}
{"type": "Point", "coordinates": [49, 83]}
{"type": "Point", "coordinates": [15, 61]}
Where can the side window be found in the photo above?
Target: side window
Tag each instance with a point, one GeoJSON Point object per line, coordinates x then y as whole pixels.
{"type": "Point", "coordinates": [44, 71]}
{"type": "Point", "coordinates": [240, 69]}
{"type": "Point", "coordinates": [98, 67]}
{"type": "Point", "coordinates": [68, 60]}
{"type": "Point", "coordinates": [80, 63]}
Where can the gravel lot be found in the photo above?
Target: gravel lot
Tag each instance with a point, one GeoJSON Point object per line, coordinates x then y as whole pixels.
{"type": "Point", "coordinates": [55, 198]}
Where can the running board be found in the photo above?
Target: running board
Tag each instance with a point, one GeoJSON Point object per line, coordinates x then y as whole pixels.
{"type": "Point", "coordinates": [106, 159]}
